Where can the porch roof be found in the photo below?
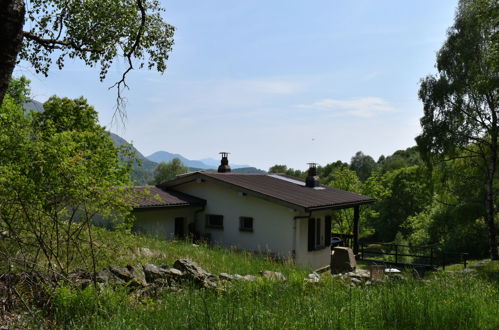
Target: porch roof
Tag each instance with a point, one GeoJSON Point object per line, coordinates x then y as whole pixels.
{"type": "Point", "coordinates": [146, 197]}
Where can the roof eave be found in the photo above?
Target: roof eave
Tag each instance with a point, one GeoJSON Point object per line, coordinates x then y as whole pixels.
{"type": "Point", "coordinates": [339, 206]}
{"type": "Point", "coordinates": [167, 206]}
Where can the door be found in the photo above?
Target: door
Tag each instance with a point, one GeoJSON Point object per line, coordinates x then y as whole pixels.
{"type": "Point", "coordinates": [179, 228]}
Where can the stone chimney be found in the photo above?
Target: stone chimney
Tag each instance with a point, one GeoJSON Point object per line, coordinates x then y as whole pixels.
{"type": "Point", "coordinates": [312, 180]}
{"type": "Point", "coordinates": [224, 163]}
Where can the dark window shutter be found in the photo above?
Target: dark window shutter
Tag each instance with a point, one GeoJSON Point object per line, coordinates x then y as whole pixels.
{"type": "Point", "coordinates": [327, 231]}
{"type": "Point", "coordinates": [311, 234]}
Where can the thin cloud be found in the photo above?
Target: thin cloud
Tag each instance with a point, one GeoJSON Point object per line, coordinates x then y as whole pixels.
{"type": "Point", "coordinates": [359, 107]}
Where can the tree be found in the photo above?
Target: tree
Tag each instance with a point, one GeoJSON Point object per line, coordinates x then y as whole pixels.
{"type": "Point", "coordinates": [460, 101]}
{"type": "Point", "coordinates": [278, 169]}
{"type": "Point", "coordinates": [166, 171]}
{"type": "Point", "coordinates": [345, 179]}
{"type": "Point", "coordinates": [57, 175]}
{"type": "Point", "coordinates": [96, 32]}
{"type": "Point", "coordinates": [363, 165]}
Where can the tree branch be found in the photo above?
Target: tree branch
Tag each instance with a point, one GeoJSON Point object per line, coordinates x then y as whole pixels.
{"type": "Point", "coordinates": [122, 82]}
{"type": "Point", "coordinates": [52, 44]}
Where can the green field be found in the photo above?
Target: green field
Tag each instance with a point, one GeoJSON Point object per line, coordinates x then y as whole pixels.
{"type": "Point", "coordinates": [440, 301]}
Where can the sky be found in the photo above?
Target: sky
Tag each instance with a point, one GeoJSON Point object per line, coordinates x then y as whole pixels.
{"type": "Point", "coordinates": [274, 82]}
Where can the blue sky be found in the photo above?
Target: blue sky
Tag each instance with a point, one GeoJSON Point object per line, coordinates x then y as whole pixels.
{"type": "Point", "coordinates": [275, 82]}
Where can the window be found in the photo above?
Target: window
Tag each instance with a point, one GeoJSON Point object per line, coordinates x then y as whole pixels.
{"type": "Point", "coordinates": [246, 224]}
{"type": "Point", "coordinates": [319, 233]}
{"type": "Point", "coordinates": [215, 221]}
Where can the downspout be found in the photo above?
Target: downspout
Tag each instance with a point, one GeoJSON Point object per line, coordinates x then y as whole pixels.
{"type": "Point", "coordinates": [294, 230]}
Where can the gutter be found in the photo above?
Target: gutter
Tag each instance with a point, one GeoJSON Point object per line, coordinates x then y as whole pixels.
{"type": "Point", "coordinates": [339, 206]}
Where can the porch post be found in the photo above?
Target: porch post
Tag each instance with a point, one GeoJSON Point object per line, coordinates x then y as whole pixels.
{"type": "Point", "coordinates": [356, 230]}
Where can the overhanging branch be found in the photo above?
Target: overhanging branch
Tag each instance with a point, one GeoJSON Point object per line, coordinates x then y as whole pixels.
{"type": "Point", "coordinates": [52, 44]}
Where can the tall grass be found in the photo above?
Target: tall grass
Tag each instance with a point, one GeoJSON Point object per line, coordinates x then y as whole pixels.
{"type": "Point", "coordinates": [443, 301]}
{"type": "Point", "coordinates": [446, 301]}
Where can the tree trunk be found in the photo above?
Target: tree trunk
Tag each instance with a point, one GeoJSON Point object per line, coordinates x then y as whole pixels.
{"type": "Point", "coordinates": [11, 37]}
{"type": "Point", "coordinates": [490, 207]}
{"type": "Point", "coordinates": [490, 213]}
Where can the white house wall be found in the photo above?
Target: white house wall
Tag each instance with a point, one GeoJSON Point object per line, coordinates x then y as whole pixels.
{"type": "Point", "coordinates": [160, 222]}
{"type": "Point", "coordinates": [313, 259]}
{"type": "Point", "coordinates": [272, 223]}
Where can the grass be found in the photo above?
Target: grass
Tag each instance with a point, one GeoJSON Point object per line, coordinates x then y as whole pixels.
{"type": "Point", "coordinates": [447, 301]}
{"type": "Point", "coordinates": [215, 259]}
{"type": "Point", "coordinates": [441, 301]}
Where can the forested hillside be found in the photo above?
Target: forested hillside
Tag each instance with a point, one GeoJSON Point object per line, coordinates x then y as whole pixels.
{"type": "Point", "coordinates": [416, 204]}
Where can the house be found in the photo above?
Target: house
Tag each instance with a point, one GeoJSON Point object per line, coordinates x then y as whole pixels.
{"type": "Point", "coordinates": [270, 213]}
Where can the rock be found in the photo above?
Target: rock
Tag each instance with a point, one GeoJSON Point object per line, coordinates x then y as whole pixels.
{"type": "Point", "coordinates": [196, 273]}
{"type": "Point", "coordinates": [313, 278]}
{"type": "Point", "coordinates": [342, 260]}
{"type": "Point", "coordinates": [226, 277]}
{"type": "Point", "coordinates": [152, 272]}
{"type": "Point", "coordinates": [270, 275]}
{"type": "Point", "coordinates": [356, 280]}
{"type": "Point", "coordinates": [106, 276]}
{"type": "Point", "coordinates": [132, 275]}
{"type": "Point", "coordinates": [230, 277]}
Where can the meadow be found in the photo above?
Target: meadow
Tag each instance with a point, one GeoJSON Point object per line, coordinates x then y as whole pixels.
{"type": "Point", "coordinates": [442, 300]}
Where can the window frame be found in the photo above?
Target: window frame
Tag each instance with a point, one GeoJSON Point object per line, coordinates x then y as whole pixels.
{"type": "Point", "coordinates": [244, 228]}
{"type": "Point", "coordinates": [210, 225]}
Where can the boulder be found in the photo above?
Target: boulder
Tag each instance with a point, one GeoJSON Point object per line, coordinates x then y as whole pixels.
{"type": "Point", "coordinates": [313, 278]}
{"type": "Point", "coordinates": [342, 260]}
{"type": "Point", "coordinates": [152, 272]}
{"type": "Point", "coordinates": [196, 273]}
{"type": "Point", "coordinates": [106, 276]}
{"type": "Point", "coordinates": [227, 277]}
{"type": "Point", "coordinates": [230, 277]}
{"type": "Point", "coordinates": [132, 275]}
{"type": "Point", "coordinates": [268, 274]}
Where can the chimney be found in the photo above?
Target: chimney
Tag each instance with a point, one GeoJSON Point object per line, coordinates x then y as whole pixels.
{"type": "Point", "coordinates": [312, 180]}
{"type": "Point", "coordinates": [224, 163]}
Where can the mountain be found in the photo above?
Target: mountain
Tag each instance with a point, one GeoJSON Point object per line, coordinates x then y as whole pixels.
{"type": "Point", "coordinates": [164, 156]}
{"type": "Point", "coordinates": [204, 164]}
{"type": "Point", "coordinates": [215, 162]}
{"type": "Point", "coordinates": [141, 173]}
{"type": "Point", "coordinates": [146, 163]}
{"type": "Point", "coordinates": [33, 105]}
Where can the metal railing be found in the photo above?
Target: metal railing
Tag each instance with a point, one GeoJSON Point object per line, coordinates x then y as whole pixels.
{"type": "Point", "coordinates": [428, 256]}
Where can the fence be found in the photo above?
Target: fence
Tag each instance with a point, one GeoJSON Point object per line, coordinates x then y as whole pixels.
{"type": "Point", "coordinates": [410, 255]}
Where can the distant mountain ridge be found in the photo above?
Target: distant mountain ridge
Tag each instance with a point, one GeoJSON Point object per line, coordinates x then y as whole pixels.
{"type": "Point", "coordinates": [205, 163]}
{"type": "Point", "coordinates": [143, 173]}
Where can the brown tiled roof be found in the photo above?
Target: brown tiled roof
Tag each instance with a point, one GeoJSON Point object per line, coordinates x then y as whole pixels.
{"type": "Point", "coordinates": [155, 197]}
{"type": "Point", "coordinates": [278, 188]}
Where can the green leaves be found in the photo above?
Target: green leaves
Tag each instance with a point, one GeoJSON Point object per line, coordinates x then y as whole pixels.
{"type": "Point", "coordinates": [97, 32]}
{"type": "Point", "coordinates": [167, 171]}
{"type": "Point", "coordinates": [59, 173]}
